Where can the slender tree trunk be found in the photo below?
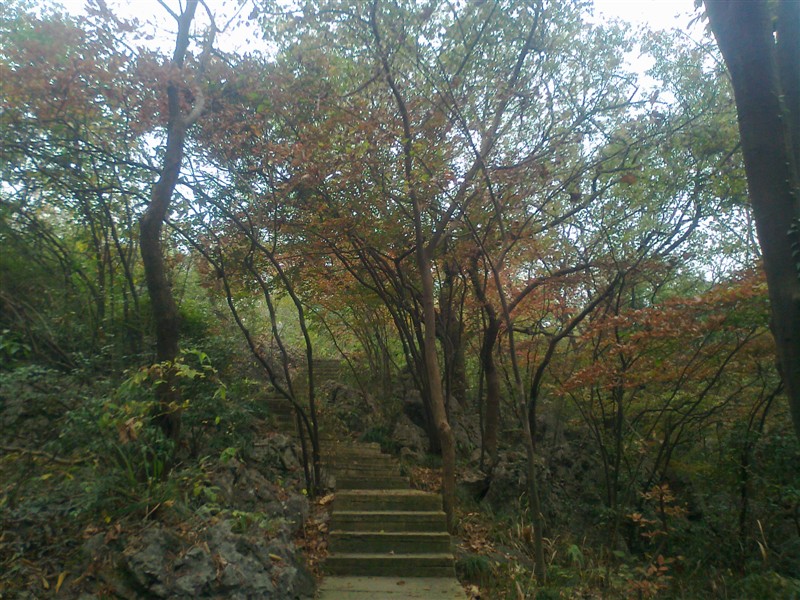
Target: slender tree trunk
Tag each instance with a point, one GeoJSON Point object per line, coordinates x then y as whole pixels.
{"type": "Point", "coordinates": [162, 303]}
{"type": "Point", "coordinates": [492, 414]}
{"type": "Point", "coordinates": [451, 297]}
{"type": "Point", "coordinates": [423, 252]}
{"type": "Point", "coordinates": [491, 417]}
{"type": "Point", "coordinates": [446, 438]}
{"type": "Point", "coordinates": [764, 63]}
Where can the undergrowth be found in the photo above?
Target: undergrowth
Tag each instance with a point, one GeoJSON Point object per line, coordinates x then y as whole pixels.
{"type": "Point", "coordinates": [80, 455]}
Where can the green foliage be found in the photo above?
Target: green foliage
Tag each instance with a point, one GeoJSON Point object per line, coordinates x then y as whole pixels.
{"type": "Point", "coordinates": [794, 234]}
{"type": "Point", "coordinates": [526, 156]}
{"type": "Point", "coordinates": [11, 349]}
{"type": "Point", "coordinates": [382, 435]}
{"type": "Point", "coordinates": [767, 586]}
{"type": "Point", "coordinates": [474, 568]}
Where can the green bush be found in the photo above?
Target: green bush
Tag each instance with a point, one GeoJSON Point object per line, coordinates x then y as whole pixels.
{"type": "Point", "coordinates": [383, 436]}
{"type": "Point", "coordinates": [474, 568]}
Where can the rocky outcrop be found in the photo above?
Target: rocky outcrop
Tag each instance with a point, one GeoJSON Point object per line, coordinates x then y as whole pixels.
{"type": "Point", "coordinates": [221, 563]}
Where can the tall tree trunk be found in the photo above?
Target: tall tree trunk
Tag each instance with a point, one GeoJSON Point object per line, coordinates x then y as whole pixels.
{"type": "Point", "coordinates": [162, 303]}
{"type": "Point", "coordinates": [446, 437]}
{"type": "Point", "coordinates": [423, 252]}
{"type": "Point", "coordinates": [491, 330]}
{"type": "Point", "coordinates": [451, 300]}
{"type": "Point", "coordinates": [492, 416]}
{"type": "Point", "coordinates": [764, 63]}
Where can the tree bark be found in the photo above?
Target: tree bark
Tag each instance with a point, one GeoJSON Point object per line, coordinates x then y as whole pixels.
{"type": "Point", "coordinates": [765, 73]}
{"type": "Point", "coordinates": [423, 251]}
{"type": "Point", "coordinates": [451, 334]}
{"type": "Point", "coordinates": [490, 333]}
{"type": "Point", "coordinates": [164, 309]}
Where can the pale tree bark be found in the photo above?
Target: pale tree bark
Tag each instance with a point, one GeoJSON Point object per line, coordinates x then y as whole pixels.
{"type": "Point", "coordinates": [423, 249]}
{"type": "Point", "coordinates": [760, 42]}
{"type": "Point", "coordinates": [164, 309]}
{"type": "Point", "coordinates": [490, 333]}
{"type": "Point", "coordinates": [426, 245]}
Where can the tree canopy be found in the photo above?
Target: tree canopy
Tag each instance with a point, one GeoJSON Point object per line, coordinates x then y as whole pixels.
{"type": "Point", "coordinates": [481, 204]}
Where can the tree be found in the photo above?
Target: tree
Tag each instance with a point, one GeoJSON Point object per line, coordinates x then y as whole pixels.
{"type": "Point", "coordinates": [653, 374]}
{"type": "Point", "coordinates": [760, 42]}
{"type": "Point", "coordinates": [162, 303]}
{"type": "Point", "coordinates": [74, 121]}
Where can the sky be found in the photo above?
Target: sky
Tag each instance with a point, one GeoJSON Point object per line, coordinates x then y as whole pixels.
{"type": "Point", "coordinates": [658, 14]}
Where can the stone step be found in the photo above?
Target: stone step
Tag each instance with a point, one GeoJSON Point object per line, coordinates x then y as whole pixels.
{"type": "Point", "coordinates": [371, 482]}
{"type": "Point", "coordinates": [387, 500]}
{"type": "Point", "coordinates": [379, 461]}
{"type": "Point", "coordinates": [388, 521]}
{"type": "Point", "coordinates": [365, 469]}
{"type": "Point", "coordinates": [389, 588]}
{"type": "Point", "coordinates": [394, 542]}
{"type": "Point", "coordinates": [390, 565]}
{"type": "Point", "coordinates": [362, 449]}
{"type": "Point", "coordinates": [347, 458]}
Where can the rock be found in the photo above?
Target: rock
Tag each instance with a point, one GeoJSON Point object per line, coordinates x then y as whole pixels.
{"type": "Point", "coordinates": [411, 436]}
{"type": "Point", "coordinates": [296, 581]}
{"type": "Point", "coordinates": [194, 572]}
{"type": "Point", "coordinates": [94, 545]}
{"type": "Point", "coordinates": [356, 411]}
{"type": "Point", "coordinates": [414, 409]}
{"type": "Point", "coordinates": [244, 569]}
{"type": "Point", "coordinates": [148, 565]}
{"type": "Point", "coordinates": [229, 564]}
{"type": "Point", "coordinates": [475, 485]}
{"type": "Point", "coordinates": [296, 510]}
{"type": "Point", "coordinates": [466, 428]}
{"type": "Point", "coordinates": [509, 476]}
{"type": "Point", "coordinates": [242, 580]}
{"type": "Point", "coordinates": [278, 453]}
{"type": "Point", "coordinates": [407, 454]}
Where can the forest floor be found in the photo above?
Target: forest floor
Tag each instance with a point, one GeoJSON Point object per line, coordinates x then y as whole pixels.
{"type": "Point", "coordinates": [89, 510]}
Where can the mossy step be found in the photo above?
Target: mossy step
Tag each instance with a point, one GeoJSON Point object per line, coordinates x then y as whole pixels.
{"type": "Point", "coordinates": [379, 461]}
{"type": "Point", "coordinates": [365, 469]}
{"type": "Point", "coordinates": [362, 459]}
{"type": "Point", "coordinates": [386, 500]}
{"type": "Point", "coordinates": [372, 482]}
{"type": "Point", "coordinates": [347, 447]}
{"type": "Point", "coordinates": [405, 520]}
{"type": "Point", "coordinates": [386, 588]}
{"type": "Point", "coordinates": [394, 542]}
{"type": "Point", "coordinates": [391, 565]}
{"type": "Point", "coordinates": [350, 452]}
{"type": "Point", "coordinates": [377, 464]}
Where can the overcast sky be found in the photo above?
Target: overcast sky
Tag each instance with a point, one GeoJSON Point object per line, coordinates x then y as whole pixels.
{"type": "Point", "coordinates": [659, 14]}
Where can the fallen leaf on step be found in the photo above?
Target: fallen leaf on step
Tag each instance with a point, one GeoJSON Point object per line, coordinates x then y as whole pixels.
{"type": "Point", "coordinates": [326, 499]}
{"type": "Point", "coordinates": [62, 576]}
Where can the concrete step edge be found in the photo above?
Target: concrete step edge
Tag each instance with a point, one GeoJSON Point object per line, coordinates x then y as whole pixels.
{"type": "Point", "coordinates": [393, 534]}
{"type": "Point", "coordinates": [390, 513]}
{"type": "Point", "coordinates": [426, 558]}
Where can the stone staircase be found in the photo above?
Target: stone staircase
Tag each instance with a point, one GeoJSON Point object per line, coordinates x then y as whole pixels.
{"type": "Point", "coordinates": [281, 412]}
{"type": "Point", "coordinates": [386, 540]}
